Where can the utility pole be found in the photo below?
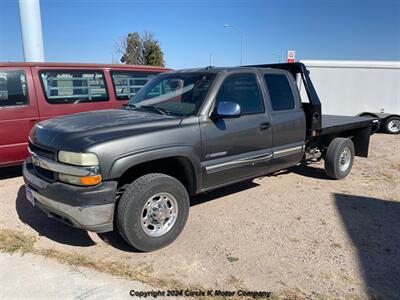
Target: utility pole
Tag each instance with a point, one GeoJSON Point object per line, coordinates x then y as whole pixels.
{"type": "Point", "coordinates": [277, 55]}
{"type": "Point", "coordinates": [31, 30]}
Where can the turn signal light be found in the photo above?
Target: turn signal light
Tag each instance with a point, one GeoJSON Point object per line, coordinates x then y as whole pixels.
{"type": "Point", "coordinates": [90, 180]}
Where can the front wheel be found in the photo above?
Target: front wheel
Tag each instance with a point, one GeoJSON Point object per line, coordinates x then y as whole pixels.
{"type": "Point", "coordinates": [339, 158]}
{"type": "Point", "coordinates": [152, 211]}
{"type": "Point", "coordinates": [392, 125]}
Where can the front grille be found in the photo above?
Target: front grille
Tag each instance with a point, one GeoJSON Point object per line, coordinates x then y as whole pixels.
{"type": "Point", "coordinates": [44, 174]}
{"type": "Point", "coordinates": [42, 151]}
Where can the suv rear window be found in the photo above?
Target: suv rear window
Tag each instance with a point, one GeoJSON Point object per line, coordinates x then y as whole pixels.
{"type": "Point", "coordinates": [126, 84]}
{"type": "Point", "coordinates": [280, 92]}
{"type": "Point", "coordinates": [68, 87]}
{"type": "Point", "coordinates": [13, 88]}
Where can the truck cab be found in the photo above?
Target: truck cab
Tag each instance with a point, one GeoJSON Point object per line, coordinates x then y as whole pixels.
{"type": "Point", "coordinates": [184, 133]}
{"type": "Point", "coordinates": [269, 133]}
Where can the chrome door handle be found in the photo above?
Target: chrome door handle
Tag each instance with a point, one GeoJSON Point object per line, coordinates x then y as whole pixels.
{"type": "Point", "coordinates": [265, 126]}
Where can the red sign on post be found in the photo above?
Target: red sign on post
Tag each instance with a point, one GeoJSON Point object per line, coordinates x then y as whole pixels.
{"type": "Point", "coordinates": [290, 56]}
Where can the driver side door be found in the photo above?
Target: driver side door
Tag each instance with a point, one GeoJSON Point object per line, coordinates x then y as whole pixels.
{"type": "Point", "coordinates": [237, 148]}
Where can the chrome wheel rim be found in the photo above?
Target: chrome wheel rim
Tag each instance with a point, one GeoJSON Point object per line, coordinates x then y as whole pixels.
{"type": "Point", "coordinates": [159, 214]}
{"type": "Point", "coordinates": [394, 125]}
{"type": "Point", "coordinates": [344, 159]}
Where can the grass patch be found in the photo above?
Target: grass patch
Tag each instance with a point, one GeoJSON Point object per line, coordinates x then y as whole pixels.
{"type": "Point", "coordinates": [12, 241]}
{"type": "Point", "coordinates": [15, 241]}
{"type": "Point", "coordinates": [119, 269]}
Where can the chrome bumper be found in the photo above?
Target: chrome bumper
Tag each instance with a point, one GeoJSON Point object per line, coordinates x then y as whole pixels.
{"type": "Point", "coordinates": [89, 208]}
{"type": "Point", "coordinates": [97, 218]}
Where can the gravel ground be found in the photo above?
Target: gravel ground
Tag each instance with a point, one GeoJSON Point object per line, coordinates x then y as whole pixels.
{"type": "Point", "coordinates": [295, 230]}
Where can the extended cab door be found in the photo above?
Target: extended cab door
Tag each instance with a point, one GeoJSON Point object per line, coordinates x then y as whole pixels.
{"type": "Point", "coordinates": [237, 148]}
{"type": "Point", "coordinates": [18, 113]}
{"type": "Point", "coordinates": [287, 118]}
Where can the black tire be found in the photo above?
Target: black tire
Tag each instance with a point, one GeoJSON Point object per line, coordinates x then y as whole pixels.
{"type": "Point", "coordinates": [333, 166]}
{"type": "Point", "coordinates": [133, 201]}
{"type": "Point", "coordinates": [392, 125]}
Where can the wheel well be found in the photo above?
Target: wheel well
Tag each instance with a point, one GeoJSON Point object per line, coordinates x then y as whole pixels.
{"type": "Point", "coordinates": [178, 167]}
{"type": "Point", "coordinates": [390, 116]}
{"type": "Point", "coordinates": [382, 117]}
{"type": "Point", "coordinates": [365, 114]}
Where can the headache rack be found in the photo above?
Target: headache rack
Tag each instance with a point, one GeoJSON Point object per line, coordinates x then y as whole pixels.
{"type": "Point", "coordinates": [312, 108]}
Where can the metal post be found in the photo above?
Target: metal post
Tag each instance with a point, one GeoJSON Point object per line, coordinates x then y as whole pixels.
{"type": "Point", "coordinates": [31, 29]}
{"type": "Point", "coordinates": [279, 57]}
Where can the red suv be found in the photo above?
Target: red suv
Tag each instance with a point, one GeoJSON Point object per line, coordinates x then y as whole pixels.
{"type": "Point", "coordinates": [32, 92]}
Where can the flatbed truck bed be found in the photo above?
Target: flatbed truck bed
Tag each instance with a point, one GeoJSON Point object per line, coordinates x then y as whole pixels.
{"type": "Point", "coordinates": [333, 123]}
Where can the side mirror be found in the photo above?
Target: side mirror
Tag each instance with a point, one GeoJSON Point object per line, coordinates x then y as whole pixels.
{"type": "Point", "coordinates": [227, 109]}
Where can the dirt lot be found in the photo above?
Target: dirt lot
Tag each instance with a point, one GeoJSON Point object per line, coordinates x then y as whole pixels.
{"type": "Point", "coordinates": [291, 231]}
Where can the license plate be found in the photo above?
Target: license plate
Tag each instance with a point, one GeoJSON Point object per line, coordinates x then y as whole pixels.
{"type": "Point", "coordinates": [29, 195]}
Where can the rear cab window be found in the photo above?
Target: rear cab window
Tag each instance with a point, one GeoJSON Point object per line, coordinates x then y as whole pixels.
{"type": "Point", "coordinates": [72, 87]}
{"type": "Point", "coordinates": [280, 92]}
{"type": "Point", "coordinates": [13, 90]}
{"type": "Point", "coordinates": [128, 83]}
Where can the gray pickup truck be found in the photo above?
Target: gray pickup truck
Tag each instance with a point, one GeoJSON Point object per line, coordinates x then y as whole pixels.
{"type": "Point", "coordinates": [184, 133]}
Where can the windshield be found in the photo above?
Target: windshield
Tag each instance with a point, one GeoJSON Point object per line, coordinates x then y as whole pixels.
{"type": "Point", "coordinates": [179, 94]}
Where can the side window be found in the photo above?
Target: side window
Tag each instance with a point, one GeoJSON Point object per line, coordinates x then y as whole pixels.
{"type": "Point", "coordinates": [242, 89]}
{"type": "Point", "coordinates": [13, 88]}
{"type": "Point", "coordinates": [126, 84]}
{"type": "Point", "coordinates": [68, 87]}
{"type": "Point", "coordinates": [280, 92]}
{"type": "Point", "coordinates": [156, 91]}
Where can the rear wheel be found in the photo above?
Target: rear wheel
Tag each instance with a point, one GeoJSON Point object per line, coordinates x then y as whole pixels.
{"type": "Point", "coordinates": [392, 125]}
{"type": "Point", "coordinates": [152, 211]}
{"type": "Point", "coordinates": [339, 158]}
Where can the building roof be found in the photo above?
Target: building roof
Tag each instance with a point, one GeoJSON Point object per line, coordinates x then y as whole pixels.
{"type": "Point", "coordinates": [352, 63]}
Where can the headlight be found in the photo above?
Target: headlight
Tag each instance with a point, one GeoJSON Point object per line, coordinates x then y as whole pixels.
{"type": "Point", "coordinates": [78, 159]}
{"type": "Point", "coordinates": [76, 180]}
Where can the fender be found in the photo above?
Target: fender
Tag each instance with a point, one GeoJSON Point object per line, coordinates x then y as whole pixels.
{"type": "Point", "coordinates": [122, 164]}
{"type": "Point", "coordinates": [380, 116]}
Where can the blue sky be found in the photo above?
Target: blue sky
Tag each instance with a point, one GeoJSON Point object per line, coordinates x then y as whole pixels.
{"type": "Point", "coordinates": [86, 31]}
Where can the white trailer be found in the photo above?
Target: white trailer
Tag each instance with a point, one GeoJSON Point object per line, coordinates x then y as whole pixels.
{"type": "Point", "coordinates": [360, 88]}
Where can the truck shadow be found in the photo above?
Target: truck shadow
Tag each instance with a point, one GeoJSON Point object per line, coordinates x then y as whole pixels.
{"type": "Point", "coordinates": [115, 240]}
{"type": "Point", "coordinates": [222, 192]}
{"type": "Point", "coordinates": [309, 171]}
{"type": "Point", "coordinates": [10, 172]}
{"type": "Point", "coordinates": [374, 227]}
{"type": "Point", "coordinates": [47, 227]}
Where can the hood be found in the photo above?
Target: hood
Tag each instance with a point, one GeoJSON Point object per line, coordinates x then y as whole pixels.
{"type": "Point", "coordinates": [74, 132]}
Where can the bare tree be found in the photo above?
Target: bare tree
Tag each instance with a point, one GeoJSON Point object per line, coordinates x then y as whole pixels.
{"type": "Point", "coordinates": [119, 48]}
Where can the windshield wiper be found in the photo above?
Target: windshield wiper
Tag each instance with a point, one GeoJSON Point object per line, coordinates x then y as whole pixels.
{"type": "Point", "coordinates": [160, 110]}
{"type": "Point", "coordinates": [149, 107]}
{"type": "Point", "coordinates": [128, 105]}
